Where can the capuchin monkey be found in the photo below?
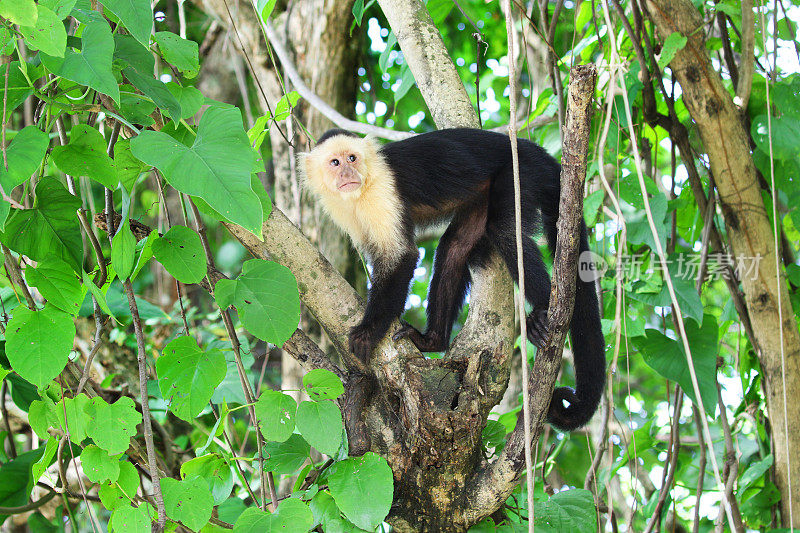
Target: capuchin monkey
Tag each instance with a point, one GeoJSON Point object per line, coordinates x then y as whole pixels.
{"type": "Point", "coordinates": [379, 195]}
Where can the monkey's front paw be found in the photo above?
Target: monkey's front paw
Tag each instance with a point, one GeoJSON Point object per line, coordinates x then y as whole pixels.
{"type": "Point", "coordinates": [538, 327]}
{"type": "Point", "coordinates": [362, 341]}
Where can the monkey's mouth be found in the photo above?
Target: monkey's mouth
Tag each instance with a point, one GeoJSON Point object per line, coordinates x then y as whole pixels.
{"type": "Point", "coordinates": [349, 186]}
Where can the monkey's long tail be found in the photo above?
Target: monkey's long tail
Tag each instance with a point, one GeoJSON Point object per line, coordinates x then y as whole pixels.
{"type": "Point", "coordinates": [588, 347]}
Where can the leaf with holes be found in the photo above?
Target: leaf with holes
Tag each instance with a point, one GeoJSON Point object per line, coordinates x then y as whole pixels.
{"type": "Point", "coordinates": [111, 426]}
{"type": "Point", "coordinates": [321, 384]}
{"type": "Point", "coordinates": [266, 296]}
{"type": "Point", "coordinates": [180, 251]}
{"type": "Point", "coordinates": [188, 376]}
{"type": "Point", "coordinates": [181, 53]}
{"type": "Point", "coordinates": [275, 412]}
{"type": "Point", "coordinates": [47, 34]}
{"type": "Point", "coordinates": [188, 501]}
{"type": "Point", "coordinates": [98, 465]}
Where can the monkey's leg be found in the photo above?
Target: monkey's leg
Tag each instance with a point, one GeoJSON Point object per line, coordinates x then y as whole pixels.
{"type": "Point", "coordinates": [450, 279]}
{"type": "Point", "coordinates": [537, 280]}
{"type": "Point", "coordinates": [385, 302]}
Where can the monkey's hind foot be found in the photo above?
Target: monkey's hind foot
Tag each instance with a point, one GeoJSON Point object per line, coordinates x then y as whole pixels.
{"type": "Point", "coordinates": [425, 342]}
{"type": "Point", "coordinates": [538, 327]}
{"type": "Point", "coordinates": [362, 341]}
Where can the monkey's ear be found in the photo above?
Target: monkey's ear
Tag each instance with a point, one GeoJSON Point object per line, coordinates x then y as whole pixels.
{"type": "Point", "coordinates": [304, 164]}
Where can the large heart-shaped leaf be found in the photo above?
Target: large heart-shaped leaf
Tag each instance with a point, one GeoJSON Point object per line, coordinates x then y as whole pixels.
{"type": "Point", "coordinates": [188, 376]}
{"type": "Point", "coordinates": [363, 489]}
{"type": "Point", "coordinates": [188, 501]}
{"type": "Point", "coordinates": [216, 167]}
{"type": "Point", "coordinates": [92, 65]}
{"type": "Point", "coordinates": [24, 154]}
{"type": "Point", "coordinates": [266, 296]}
{"type": "Point", "coordinates": [85, 155]}
{"type": "Point", "coordinates": [136, 15]}
{"type": "Point", "coordinates": [50, 229]}
{"type": "Point", "coordinates": [38, 343]}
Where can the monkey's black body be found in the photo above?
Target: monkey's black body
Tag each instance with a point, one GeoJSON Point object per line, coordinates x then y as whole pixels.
{"type": "Point", "coordinates": [465, 175]}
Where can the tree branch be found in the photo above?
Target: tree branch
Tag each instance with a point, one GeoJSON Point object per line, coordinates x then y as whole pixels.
{"type": "Point", "coordinates": [494, 483]}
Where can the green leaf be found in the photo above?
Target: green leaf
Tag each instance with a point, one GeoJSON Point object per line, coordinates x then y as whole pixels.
{"type": "Point", "coordinates": [568, 510]}
{"type": "Point", "coordinates": [672, 45]}
{"type": "Point", "coordinates": [136, 15]}
{"type": "Point", "coordinates": [666, 356]}
{"type": "Point", "coordinates": [76, 421]}
{"type": "Point", "coordinates": [292, 516]}
{"type": "Point", "coordinates": [16, 481]}
{"type": "Point", "coordinates": [22, 12]}
{"type": "Point", "coordinates": [188, 501]}
{"type": "Point", "coordinates": [265, 8]}
{"type": "Point", "coordinates": [42, 416]}
{"type": "Point", "coordinates": [128, 167]}
{"type": "Point", "coordinates": [754, 472]}
{"type": "Point", "coordinates": [215, 471]}
{"type": "Point", "coordinates": [216, 167]}
{"type": "Point", "coordinates": [38, 343]}
{"type": "Point", "coordinates": [188, 376]}
{"type": "Point", "coordinates": [286, 457]}
{"type": "Point", "coordinates": [18, 86]}
{"type": "Point", "coordinates": [181, 53]}
{"type": "Point", "coordinates": [190, 98]}
{"type": "Point", "coordinates": [275, 412]}
{"type": "Point", "coordinates": [321, 425]}
{"type": "Point", "coordinates": [98, 465]}
{"type": "Point", "coordinates": [99, 295]}
{"type": "Point", "coordinates": [123, 250]}
{"type": "Point", "coordinates": [321, 384]}
{"type": "Point", "coordinates": [111, 426]}
{"type": "Point", "coordinates": [358, 11]}
{"type": "Point", "coordinates": [114, 494]}
{"type": "Point", "coordinates": [156, 90]}
{"type": "Point", "coordinates": [38, 468]}
{"type": "Point", "coordinates": [129, 519]}
{"type": "Point", "coordinates": [284, 106]}
{"type": "Point", "coordinates": [50, 229]}
{"type": "Point", "coordinates": [48, 33]}
{"type": "Point", "coordinates": [25, 155]}
{"type": "Point", "coordinates": [363, 489]}
{"type": "Point", "coordinates": [85, 155]}
{"type": "Point", "coordinates": [62, 8]}
{"type": "Point", "coordinates": [92, 65]}
{"type": "Point", "coordinates": [181, 252]}
{"type": "Point", "coordinates": [59, 285]}
{"type": "Point", "coordinates": [266, 296]}
{"type": "Point", "coordinates": [328, 514]}
{"type": "Point", "coordinates": [406, 83]}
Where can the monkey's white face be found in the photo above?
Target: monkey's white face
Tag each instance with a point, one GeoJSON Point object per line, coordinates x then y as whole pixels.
{"type": "Point", "coordinates": [343, 171]}
{"type": "Point", "coordinates": [338, 167]}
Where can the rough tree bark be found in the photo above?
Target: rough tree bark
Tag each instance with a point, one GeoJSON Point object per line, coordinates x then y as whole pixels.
{"type": "Point", "coordinates": [749, 230]}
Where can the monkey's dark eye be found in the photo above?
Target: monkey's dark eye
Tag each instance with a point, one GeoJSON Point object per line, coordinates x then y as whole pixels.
{"type": "Point", "coordinates": [351, 158]}
{"type": "Point", "coordinates": [335, 162]}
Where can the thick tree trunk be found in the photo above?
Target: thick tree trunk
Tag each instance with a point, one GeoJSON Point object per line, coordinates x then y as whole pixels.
{"type": "Point", "coordinates": [749, 231]}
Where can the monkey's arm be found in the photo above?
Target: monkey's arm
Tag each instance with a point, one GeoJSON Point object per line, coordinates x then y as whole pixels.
{"type": "Point", "coordinates": [385, 302]}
